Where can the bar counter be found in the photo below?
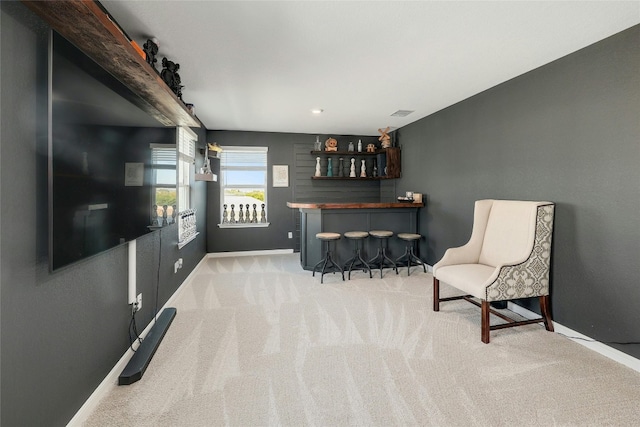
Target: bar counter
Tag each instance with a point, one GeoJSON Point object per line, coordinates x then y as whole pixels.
{"type": "Point", "coordinates": [398, 217]}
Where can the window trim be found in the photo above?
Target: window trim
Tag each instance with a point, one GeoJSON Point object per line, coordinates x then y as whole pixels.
{"type": "Point", "coordinates": [186, 141]}
{"type": "Point", "coordinates": [246, 148]}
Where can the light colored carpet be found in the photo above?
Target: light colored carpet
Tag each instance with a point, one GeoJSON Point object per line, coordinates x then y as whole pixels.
{"type": "Point", "coordinates": [258, 342]}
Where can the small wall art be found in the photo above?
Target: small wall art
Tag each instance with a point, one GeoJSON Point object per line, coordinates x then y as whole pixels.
{"type": "Point", "coordinates": [280, 175]}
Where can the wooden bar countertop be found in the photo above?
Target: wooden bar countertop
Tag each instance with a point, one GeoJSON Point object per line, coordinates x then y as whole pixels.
{"type": "Point", "coordinates": [308, 205]}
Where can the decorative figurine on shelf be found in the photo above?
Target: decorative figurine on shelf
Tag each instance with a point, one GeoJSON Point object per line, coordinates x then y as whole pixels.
{"type": "Point", "coordinates": [240, 214]}
{"type": "Point", "coordinates": [318, 173]}
{"type": "Point", "coordinates": [352, 172]}
{"type": "Point", "coordinates": [331, 144]}
{"type": "Point", "coordinates": [254, 218]}
{"type": "Point", "coordinates": [164, 215]}
{"type": "Point", "coordinates": [174, 214]}
{"type": "Point", "coordinates": [363, 170]}
{"type": "Point", "coordinates": [341, 167]}
{"type": "Point", "coordinates": [225, 214]}
{"type": "Point", "coordinates": [232, 216]}
{"type": "Point", "coordinates": [359, 146]}
{"type": "Point", "coordinates": [178, 80]}
{"type": "Point", "coordinates": [318, 145]}
{"type": "Point", "coordinates": [154, 216]}
{"type": "Point", "coordinates": [375, 168]}
{"type": "Point", "coordinates": [263, 215]}
{"type": "Point", "coordinates": [170, 77]}
{"type": "Point", "coordinates": [247, 218]}
{"type": "Point", "coordinates": [151, 50]}
{"type": "Point", "coordinates": [384, 138]}
{"type": "Point", "coordinates": [329, 167]}
{"type": "Point", "coordinates": [371, 148]}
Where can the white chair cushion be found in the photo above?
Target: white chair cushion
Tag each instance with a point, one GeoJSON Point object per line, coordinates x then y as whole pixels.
{"type": "Point", "coordinates": [469, 278]}
{"type": "Point", "coordinates": [508, 238]}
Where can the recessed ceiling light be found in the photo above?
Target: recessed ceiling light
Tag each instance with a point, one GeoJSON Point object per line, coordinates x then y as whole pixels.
{"type": "Point", "coordinates": [317, 111]}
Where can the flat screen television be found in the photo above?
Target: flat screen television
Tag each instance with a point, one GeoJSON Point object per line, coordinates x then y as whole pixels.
{"type": "Point", "coordinates": [101, 179]}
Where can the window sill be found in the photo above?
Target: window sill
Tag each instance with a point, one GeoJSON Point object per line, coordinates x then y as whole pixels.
{"type": "Point", "coordinates": [245, 225]}
{"type": "Point", "coordinates": [187, 240]}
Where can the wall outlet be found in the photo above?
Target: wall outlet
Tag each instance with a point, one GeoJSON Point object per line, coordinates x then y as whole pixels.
{"type": "Point", "coordinates": [290, 235]}
{"type": "Point", "coordinates": [139, 302]}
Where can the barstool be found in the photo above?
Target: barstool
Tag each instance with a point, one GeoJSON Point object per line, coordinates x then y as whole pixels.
{"type": "Point", "coordinates": [409, 255]}
{"type": "Point", "coordinates": [381, 258]}
{"type": "Point", "coordinates": [357, 261]}
{"type": "Point", "coordinates": [328, 264]}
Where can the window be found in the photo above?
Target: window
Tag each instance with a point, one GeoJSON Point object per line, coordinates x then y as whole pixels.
{"type": "Point", "coordinates": [243, 195]}
{"type": "Point", "coordinates": [163, 170]}
{"type": "Point", "coordinates": [186, 141]}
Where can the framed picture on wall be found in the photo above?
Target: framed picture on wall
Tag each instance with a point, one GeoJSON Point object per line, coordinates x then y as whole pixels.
{"type": "Point", "coordinates": [280, 175]}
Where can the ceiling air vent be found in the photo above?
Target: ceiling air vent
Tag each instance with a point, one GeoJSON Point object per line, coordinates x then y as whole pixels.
{"type": "Point", "coordinates": [402, 113]}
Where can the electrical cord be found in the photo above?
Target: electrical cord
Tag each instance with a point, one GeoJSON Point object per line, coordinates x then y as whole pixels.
{"type": "Point", "coordinates": [133, 328]}
{"type": "Point", "coordinates": [602, 342]}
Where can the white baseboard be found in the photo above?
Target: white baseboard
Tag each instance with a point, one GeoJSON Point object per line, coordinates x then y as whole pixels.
{"type": "Point", "coordinates": [590, 343]}
{"type": "Point", "coordinates": [111, 380]}
{"type": "Point", "coordinates": [249, 253]}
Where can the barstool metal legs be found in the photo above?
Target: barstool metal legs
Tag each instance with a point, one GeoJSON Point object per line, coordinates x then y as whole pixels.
{"type": "Point", "coordinates": [328, 264]}
{"type": "Point", "coordinates": [381, 259]}
{"type": "Point", "coordinates": [357, 262]}
{"type": "Point", "coordinates": [409, 255]}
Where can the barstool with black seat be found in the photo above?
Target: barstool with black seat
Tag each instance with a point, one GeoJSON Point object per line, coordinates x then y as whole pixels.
{"type": "Point", "coordinates": [357, 262]}
{"type": "Point", "coordinates": [409, 255]}
{"type": "Point", "coordinates": [381, 259]}
{"type": "Point", "coordinates": [328, 264]}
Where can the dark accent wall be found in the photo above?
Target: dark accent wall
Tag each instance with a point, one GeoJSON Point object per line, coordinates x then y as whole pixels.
{"type": "Point", "coordinates": [61, 333]}
{"type": "Point", "coordinates": [293, 150]}
{"type": "Point", "coordinates": [568, 132]}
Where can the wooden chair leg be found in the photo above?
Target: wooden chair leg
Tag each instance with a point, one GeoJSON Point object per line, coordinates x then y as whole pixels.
{"type": "Point", "coordinates": [546, 312]}
{"type": "Point", "coordinates": [436, 294]}
{"type": "Point", "coordinates": [486, 327]}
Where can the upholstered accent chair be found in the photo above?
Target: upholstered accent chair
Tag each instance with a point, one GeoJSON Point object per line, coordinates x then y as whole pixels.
{"type": "Point", "coordinates": [507, 257]}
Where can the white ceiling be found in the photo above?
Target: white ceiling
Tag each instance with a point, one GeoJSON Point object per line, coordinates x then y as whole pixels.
{"type": "Point", "coordinates": [263, 65]}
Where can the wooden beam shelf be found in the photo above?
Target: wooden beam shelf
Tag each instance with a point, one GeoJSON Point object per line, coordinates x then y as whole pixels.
{"type": "Point", "coordinates": [87, 25]}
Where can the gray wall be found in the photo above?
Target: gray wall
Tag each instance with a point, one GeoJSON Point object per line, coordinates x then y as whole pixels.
{"type": "Point", "coordinates": [284, 149]}
{"type": "Point", "coordinates": [568, 132]}
{"type": "Point", "coordinates": [61, 333]}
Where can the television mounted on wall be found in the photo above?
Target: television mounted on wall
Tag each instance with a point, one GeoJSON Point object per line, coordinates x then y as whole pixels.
{"type": "Point", "coordinates": [101, 183]}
